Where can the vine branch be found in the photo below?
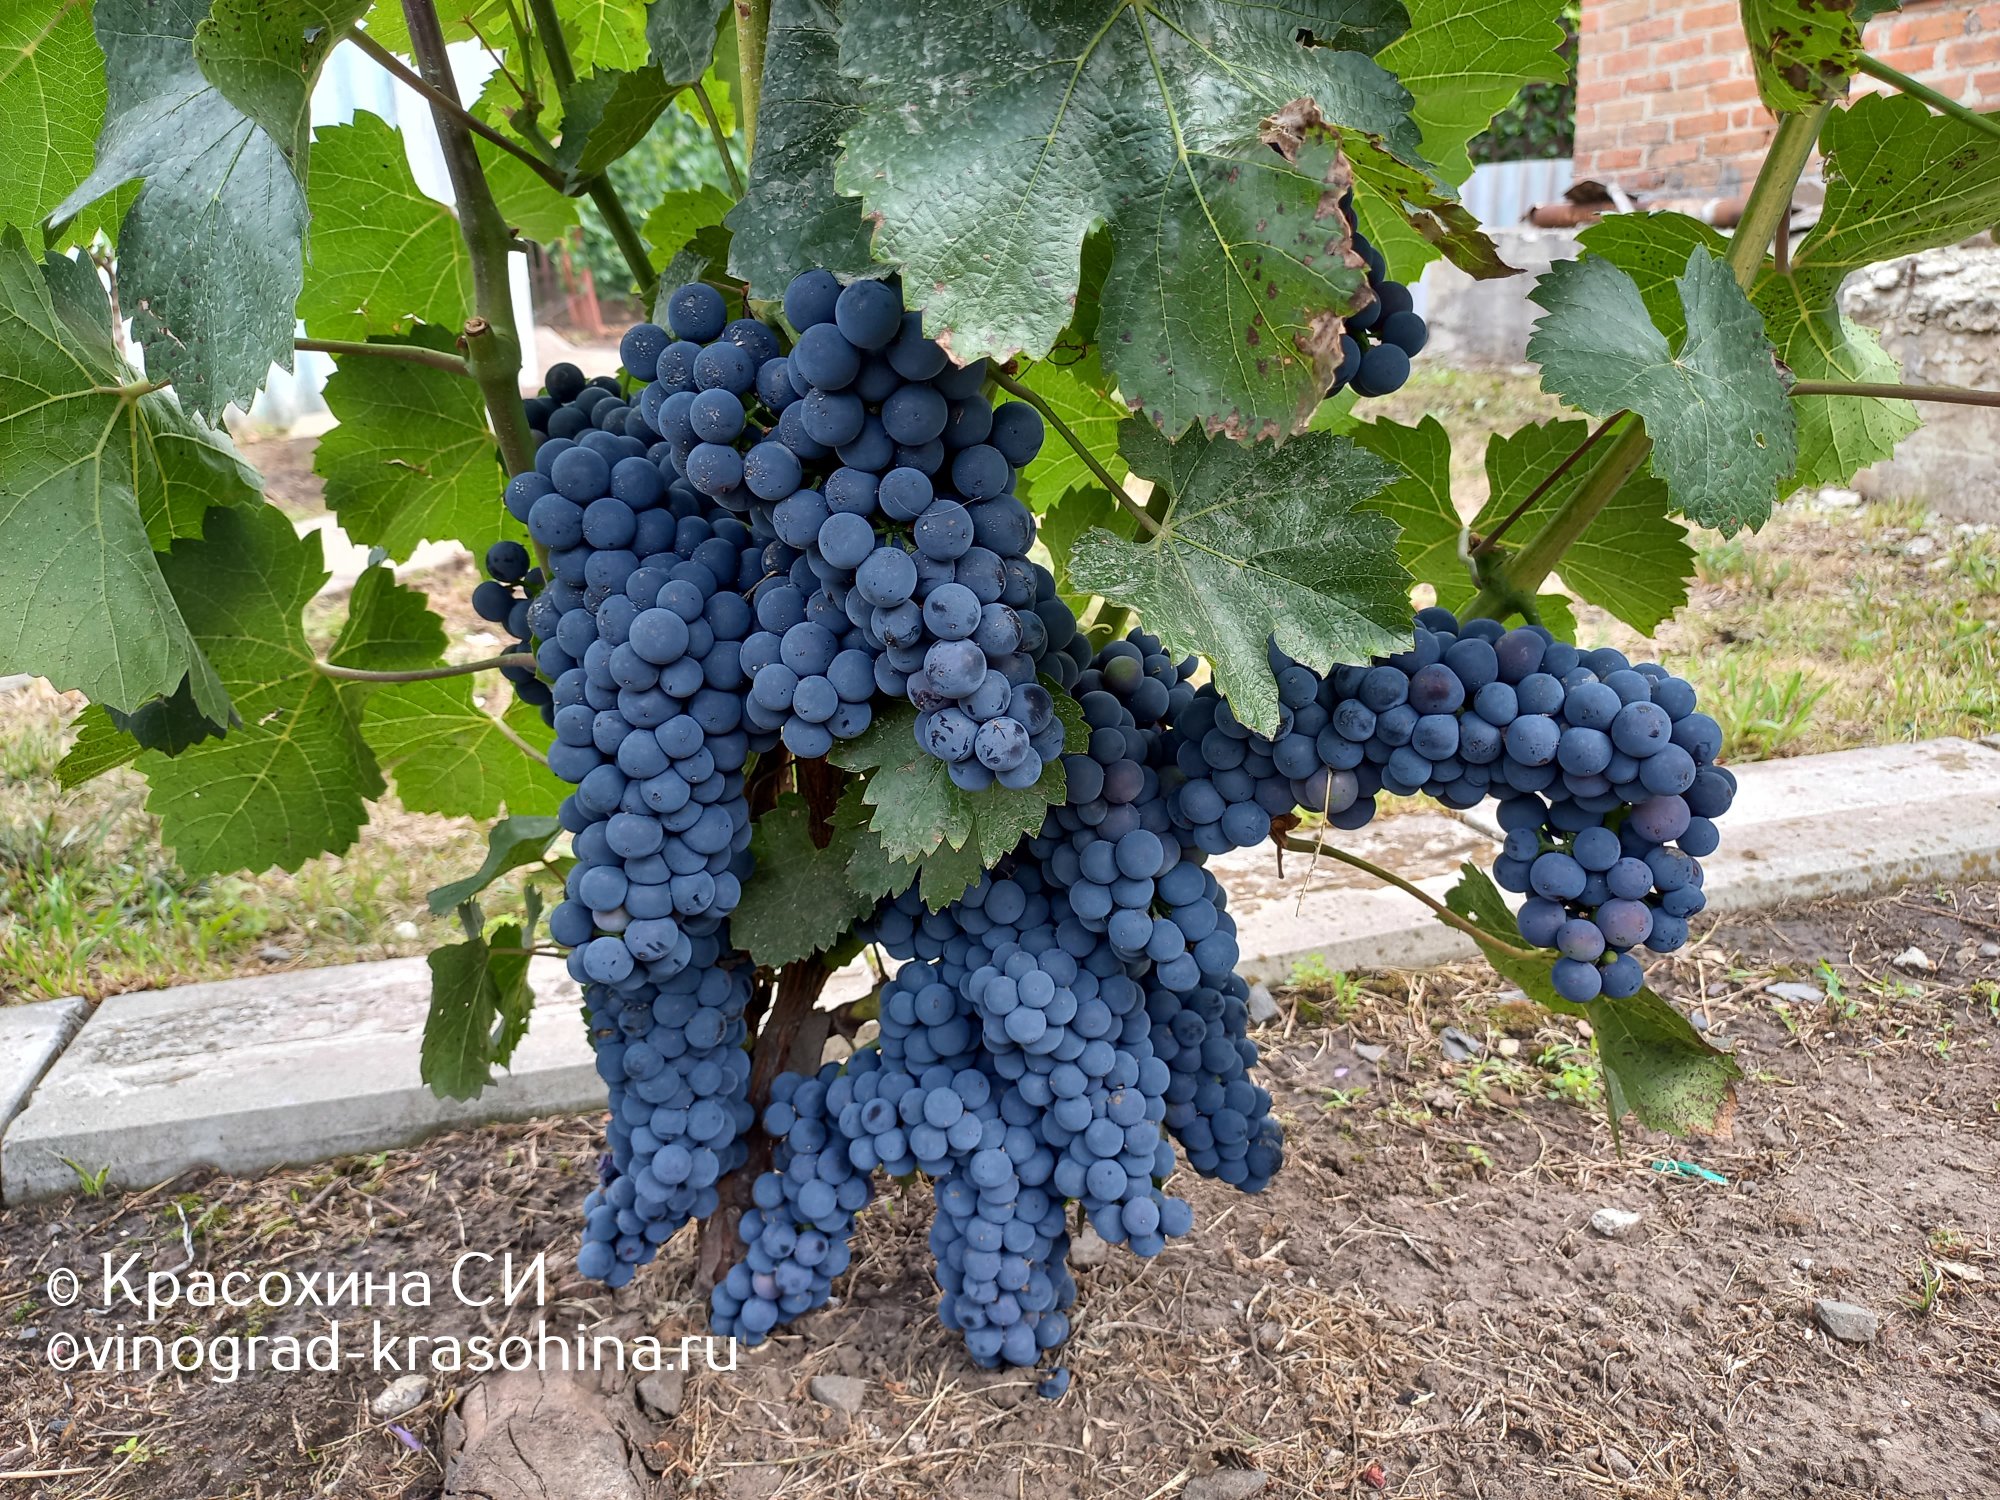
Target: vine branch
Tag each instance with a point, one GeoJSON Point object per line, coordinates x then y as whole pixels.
{"type": "Point", "coordinates": [1438, 909]}
{"type": "Point", "coordinates": [426, 674]}
{"type": "Point", "coordinates": [1126, 503]}
{"type": "Point", "coordinates": [1944, 104]}
{"type": "Point", "coordinates": [753, 23]}
{"type": "Point", "coordinates": [1487, 542]}
{"type": "Point", "coordinates": [721, 141]}
{"type": "Point", "coordinates": [409, 354]}
{"type": "Point", "coordinates": [492, 344]}
{"type": "Point", "coordinates": [1954, 395]}
{"type": "Point", "coordinates": [439, 99]}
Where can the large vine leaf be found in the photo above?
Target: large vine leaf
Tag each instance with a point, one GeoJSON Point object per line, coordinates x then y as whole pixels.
{"type": "Point", "coordinates": [292, 779]}
{"type": "Point", "coordinates": [992, 139]}
{"type": "Point", "coordinates": [681, 35]}
{"type": "Point", "coordinates": [389, 626]}
{"type": "Point", "coordinates": [52, 85]}
{"type": "Point", "coordinates": [209, 255]}
{"type": "Point", "coordinates": [478, 987]}
{"type": "Point", "coordinates": [1721, 423]}
{"type": "Point", "coordinates": [1087, 507]}
{"type": "Point", "coordinates": [1072, 382]}
{"type": "Point", "coordinates": [459, 20]}
{"type": "Point", "coordinates": [1464, 62]}
{"type": "Point", "coordinates": [608, 113]}
{"type": "Point", "coordinates": [448, 755]}
{"type": "Point", "coordinates": [608, 33]}
{"type": "Point", "coordinates": [1255, 544]}
{"type": "Point", "coordinates": [1802, 51]}
{"type": "Point", "coordinates": [801, 902]}
{"type": "Point", "coordinates": [411, 460]}
{"type": "Point", "coordinates": [682, 214]}
{"type": "Point", "coordinates": [1657, 1067]}
{"type": "Point", "coordinates": [1430, 536]}
{"type": "Point", "coordinates": [1837, 435]}
{"type": "Point", "coordinates": [791, 219]}
{"type": "Point", "coordinates": [266, 55]}
{"type": "Point", "coordinates": [917, 808]}
{"type": "Point", "coordinates": [94, 476]}
{"type": "Point", "coordinates": [1633, 559]}
{"type": "Point", "coordinates": [383, 252]}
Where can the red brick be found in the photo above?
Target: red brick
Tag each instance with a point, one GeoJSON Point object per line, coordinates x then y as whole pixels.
{"type": "Point", "coordinates": [1654, 30]}
{"type": "Point", "coordinates": [1928, 26]}
{"type": "Point", "coordinates": [1971, 52]}
{"type": "Point", "coordinates": [1708, 70]}
{"type": "Point", "coordinates": [1701, 127]}
{"type": "Point", "coordinates": [1620, 160]}
{"type": "Point", "coordinates": [1650, 133]}
{"type": "Point", "coordinates": [1740, 90]}
{"type": "Point", "coordinates": [1711, 18]}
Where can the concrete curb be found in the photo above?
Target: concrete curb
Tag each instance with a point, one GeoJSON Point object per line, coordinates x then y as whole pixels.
{"type": "Point", "coordinates": [248, 1074]}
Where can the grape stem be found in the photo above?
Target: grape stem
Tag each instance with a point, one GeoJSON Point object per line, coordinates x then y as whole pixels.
{"type": "Point", "coordinates": [548, 27]}
{"type": "Point", "coordinates": [715, 133]}
{"type": "Point", "coordinates": [1887, 390]}
{"type": "Point", "coordinates": [409, 354]}
{"type": "Point", "coordinates": [1549, 480]}
{"type": "Point", "coordinates": [1903, 83]}
{"type": "Point", "coordinates": [1438, 909]}
{"type": "Point", "coordinates": [391, 64]}
{"type": "Point", "coordinates": [1020, 392]}
{"type": "Point", "coordinates": [427, 674]}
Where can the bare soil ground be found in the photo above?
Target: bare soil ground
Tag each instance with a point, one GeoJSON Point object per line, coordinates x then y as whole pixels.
{"type": "Point", "coordinates": [1417, 1307]}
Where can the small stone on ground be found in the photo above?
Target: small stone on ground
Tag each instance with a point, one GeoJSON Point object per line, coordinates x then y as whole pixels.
{"type": "Point", "coordinates": [1088, 1249]}
{"type": "Point", "coordinates": [660, 1393]}
{"type": "Point", "coordinates": [841, 1392]}
{"type": "Point", "coordinates": [1225, 1484]}
{"type": "Point", "coordinates": [1798, 994]}
{"type": "Point", "coordinates": [1263, 1005]}
{"type": "Point", "coordinates": [1915, 960]}
{"type": "Point", "coordinates": [402, 1396]}
{"type": "Point", "coordinates": [1459, 1046]}
{"type": "Point", "coordinates": [1847, 1321]}
{"type": "Point", "coordinates": [1615, 1223]}
{"type": "Point", "coordinates": [1370, 1051]}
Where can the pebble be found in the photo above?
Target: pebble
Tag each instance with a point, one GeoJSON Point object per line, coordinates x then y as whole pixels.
{"type": "Point", "coordinates": [837, 1049]}
{"type": "Point", "coordinates": [841, 1392]}
{"type": "Point", "coordinates": [1989, 950]}
{"type": "Point", "coordinates": [1915, 960]}
{"type": "Point", "coordinates": [660, 1393]}
{"type": "Point", "coordinates": [400, 1397]}
{"type": "Point", "coordinates": [1270, 1335]}
{"type": "Point", "coordinates": [271, 953]}
{"type": "Point", "coordinates": [1849, 1322]}
{"type": "Point", "coordinates": [1620, 1466]}
{"type": "Point", "coordinates": [1920, 546]}
{"type": "Point", "coordinates": [1370, 1051]}
{"type": "Point", "coordinates": [1615, 1223]}
{"type": "Point", "coordinates": [407, 931]}
{"type": "Point", "coordinates": [1225, 1484]}
{"type": "Point", "coordinates": [1089, 1249]}
{"type": "Point", "coordinates": [1510, 1046]}
{"type": "Point", "coordinates": [1459, 1046]}
{"type": "Point", "coordinates": [1797, 993]}
{"type": "Point", "coordinates": [1263, 1005]}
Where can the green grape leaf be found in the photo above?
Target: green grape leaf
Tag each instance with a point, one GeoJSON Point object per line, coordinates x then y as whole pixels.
{"type": "Point", "coordinates": [681, 35]}
{"type": "Point", "coordinates": [800, 902]}
{"type": "Point", "coordinates": [292, 778]}
{"type": "Point", "coordinates": [791, 219]}
{"type": "Point", "coordinates": [1720, 420]}
{"type": "Point", "coordinates": [264, 56]}
{"type": "Point", "coordinates": [1084, 508]}
{"type": "Point", "coordinates": [1657, 1067]}
{"type": "Point", "coordinates": [1802, 52]}
{"type": "Point", "coordinates": [209, 256]}
{"type": "Point", "coordinates": [448, 755]}
{"type": "Point", "coordinates": [1837, 435]}
{"type": "Point", "coordinates": [1231, 267]}
{"type": "Point", "coordinates": [917, 808]}
{"type": "Point", "coordinates": [100, 746]}
{"type": "Point", "coordinates": [95, 477]}
{"type": "Point", "coordinates": [610, 33]}
{"type": "Point", "coordinates": [1431, 538]}
{"type": "Point", "coordinates": [389, 626]}
{"type": "Point", "coordinates": [534, 209]}
{"type": "Point", "coordinates": [1633, 559]}
{"type": "Point", "coordinates": [411, 460]}
{"type": "Point", "coordinates": [609, 114]}
{"type": "Point", "coordinates": [1072, 382]}
{"type": "Point", "coordinates": [1464, 62]}
{"type": "Point", "coordinates": [52, 79]}
{"type": "Point", "coordinates": [945, 873]}
{"type": "Point", "coordinates": [1255, 543]}
{"type": "Point", "coordinates": [681, 215]}
{"type": "Point", "coordinates": [474, 989]}
{"type": "Point", "coordinates": [721, 98]}
{"type": "Point", "coordinates": [460, 20]}
{"type": "Point", "coordinates": [510, 844]}
{"type": "Point", "coordinates": [383, 253]}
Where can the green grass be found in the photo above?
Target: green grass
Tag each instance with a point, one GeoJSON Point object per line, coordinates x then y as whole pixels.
{"type": "Point", "coordinates": [91, 904]}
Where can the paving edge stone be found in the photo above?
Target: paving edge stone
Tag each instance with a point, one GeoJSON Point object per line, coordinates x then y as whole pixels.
{"type": "Point", "coordinates": [32, 1037]}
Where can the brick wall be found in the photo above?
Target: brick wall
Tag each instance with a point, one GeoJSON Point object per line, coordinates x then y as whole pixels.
{"type": "Point", "coordinates": [1665, 104]}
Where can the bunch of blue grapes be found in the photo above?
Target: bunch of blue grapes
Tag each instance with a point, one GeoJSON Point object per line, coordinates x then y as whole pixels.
{"type": "Point", "coordinates": [797, 1232]}
{"type": "Point", "coordinates": [672, 1055]}
{"type": "Point", "coordinates": [504, 598]}
{"type": "Point", "coordinates": [1383, 337]}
